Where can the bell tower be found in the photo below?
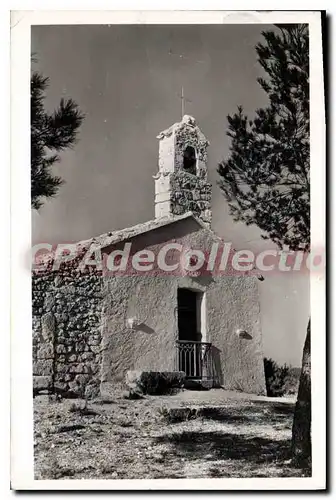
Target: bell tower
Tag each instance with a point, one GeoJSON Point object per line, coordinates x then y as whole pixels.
{"type": "Point", "coordinates": [181, 183]}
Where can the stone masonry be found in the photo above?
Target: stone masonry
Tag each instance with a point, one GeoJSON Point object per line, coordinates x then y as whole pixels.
{"type": "Point", "coordinates": [67, 307]}
{"type": "Point", "coordinates": [189, 193]}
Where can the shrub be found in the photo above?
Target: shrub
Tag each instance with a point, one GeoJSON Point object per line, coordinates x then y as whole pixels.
{"type": "Point", "coordinates": [154, 383]}
{"type": "Point", "coordinates": [176, 415]}
{"type": "Point", "coordinates": [292, 381]}
{"type": "Point", "coordinates": [276, 378]}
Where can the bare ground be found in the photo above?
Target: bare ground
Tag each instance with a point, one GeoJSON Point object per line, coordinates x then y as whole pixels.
{"type": "Point", "coordinates": [189, 435]}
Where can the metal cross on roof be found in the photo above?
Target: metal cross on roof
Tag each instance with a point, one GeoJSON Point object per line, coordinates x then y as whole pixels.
{"type": "Point", "coordinates": [183, 101]}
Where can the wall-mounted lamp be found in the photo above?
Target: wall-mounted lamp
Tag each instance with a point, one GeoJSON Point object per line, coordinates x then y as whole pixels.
{"type": "Point", "coordinates": [243, 334]}
{"type": "Point", "coordinates": [132, 323]}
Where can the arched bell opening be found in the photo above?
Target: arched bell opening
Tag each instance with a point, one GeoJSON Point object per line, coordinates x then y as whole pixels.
{"type": "Point", "coordinates": [190, 160]}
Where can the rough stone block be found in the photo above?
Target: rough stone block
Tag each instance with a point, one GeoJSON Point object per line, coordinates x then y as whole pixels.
{"type": "Point", "coordinates": [80, 346]}
{"type": "Point", "coordinates": [75, 389]}
{"type": "Point", "coordinates": [61, 349]}
{"type": "Point", "coordinates": [156, 383]}
{"type": "Point", "coordinates": [42, 383]}
{"type": "Point", "coordinates": [61, 387]}
{"type": "Point", "coordinates": [82, 379]}
{"type": "Point", "coordinates": [86, 356]}
{"type": "Point", "coordinates": [92, 389]}
{"type": "Point", "coordinates": [46, 351]}
{"type": "Point", "coordinates": [79, 368]}
{"type": "Point", "coordinates": [49, 301]}
{"type": "Point", "coordinates": [43, 367]}
{"type": "Point", "coordinates": [58, 280]}
{"type": "Point", "coordinates": [62, 368]}
{"type": "Point", "coordinates": [95, 349]}
{"type": "Point", "coordinates": [87, 369]}
{"type": "Point", "coordinates": [48, 326]}
{"type": "Point", "coordinates": [94, 342]}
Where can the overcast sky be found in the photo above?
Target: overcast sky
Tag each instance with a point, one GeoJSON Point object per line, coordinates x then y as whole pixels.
{"type": "Point", "coordinates": [127, 80]}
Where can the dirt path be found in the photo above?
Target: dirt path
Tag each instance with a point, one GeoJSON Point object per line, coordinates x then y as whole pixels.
{"type": "Point", "coordinates": [216, 434]}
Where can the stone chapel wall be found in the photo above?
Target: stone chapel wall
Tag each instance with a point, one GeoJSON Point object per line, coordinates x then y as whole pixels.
{"type": "Point", "coordinates": [67, 331]}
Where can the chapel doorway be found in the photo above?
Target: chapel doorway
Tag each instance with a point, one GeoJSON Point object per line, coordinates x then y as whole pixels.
{"type": "Point", "coordinates": [189, 305]}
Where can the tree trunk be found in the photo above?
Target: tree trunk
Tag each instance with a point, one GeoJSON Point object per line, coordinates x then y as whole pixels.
{"type": "Point", "coordinates": [301, 436]}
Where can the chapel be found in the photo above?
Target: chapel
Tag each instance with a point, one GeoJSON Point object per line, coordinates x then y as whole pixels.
{"type": "Point", "coordinates": [92, 326]}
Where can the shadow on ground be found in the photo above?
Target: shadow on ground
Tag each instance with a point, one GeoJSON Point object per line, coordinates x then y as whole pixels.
{"type": "Point", "coordinates": [254, 414]}
{"type": "Point", "coordinates": [217, 445]}
{"type": "Point", "coordinates": [275, 407]}
{"type": "Point", "coordinates": [261, 413]}
{"type": "Point", "coordinates": [260, 456]}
